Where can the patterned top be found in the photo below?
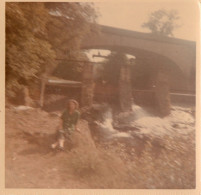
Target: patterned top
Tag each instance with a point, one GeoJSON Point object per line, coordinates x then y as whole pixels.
{"type": "Point", "coordinates": [70, 120]}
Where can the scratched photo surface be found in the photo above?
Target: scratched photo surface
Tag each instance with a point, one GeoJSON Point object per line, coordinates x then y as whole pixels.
{"type": "Point", "coordinates": [100, 95]}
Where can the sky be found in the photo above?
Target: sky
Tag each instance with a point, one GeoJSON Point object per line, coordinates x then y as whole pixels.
{"type": "Point", "coordinates": [132, 14]}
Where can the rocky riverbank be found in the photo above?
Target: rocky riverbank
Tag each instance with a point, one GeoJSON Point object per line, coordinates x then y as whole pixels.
{"type": "Point", "coordinates": [139, 158]}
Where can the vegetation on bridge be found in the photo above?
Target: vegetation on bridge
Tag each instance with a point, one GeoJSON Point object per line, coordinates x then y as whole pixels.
{"type": "Point", "coordinates": [162, 22]}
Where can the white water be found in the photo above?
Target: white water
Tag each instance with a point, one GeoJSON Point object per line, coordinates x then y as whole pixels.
{"type": "Point", "coordinates": [139, 112]}
{"type": "Point", "coordinates": [179, 122]}
{"type": "Point", "coordinates": [107, 125]}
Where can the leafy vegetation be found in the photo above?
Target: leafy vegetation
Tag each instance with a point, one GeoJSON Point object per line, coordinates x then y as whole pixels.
{"type": "Point", "coordinates": [39, 33]}
{"type": "Point", "coordinates": [162, 22]}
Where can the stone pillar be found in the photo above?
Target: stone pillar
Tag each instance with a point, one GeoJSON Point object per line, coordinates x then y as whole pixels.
{"type": "Point", "coordinates": [125, 89]}
{"type": "Point", "coordinates": [162, 93]}
{"type": "Point", "coordinates": [87, 93]}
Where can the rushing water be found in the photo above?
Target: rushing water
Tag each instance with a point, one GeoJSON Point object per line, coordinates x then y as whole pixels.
{"type": "Point", "coordinates": [108, 126]}
{"type": "Point", "coordinates": [180, 122]}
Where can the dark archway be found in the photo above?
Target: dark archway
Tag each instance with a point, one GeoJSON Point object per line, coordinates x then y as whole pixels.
{"type": "Point", "coordinates": [180, 52]}
{"type": "Point", "coordinates": [147, 64]}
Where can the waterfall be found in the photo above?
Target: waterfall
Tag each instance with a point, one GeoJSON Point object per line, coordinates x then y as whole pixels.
{"type": "Point", "coordinates": [107, 125]}
{"type": "Point", "coordinates": [180, 121]}
{"type": "Point", "coordinates": [139, 112]}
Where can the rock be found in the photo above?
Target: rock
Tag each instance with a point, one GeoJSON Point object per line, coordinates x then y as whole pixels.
{"type": "Point", "coordinates": [23, 97]}
{"type": "Point", "coordinates": [22, 108]}
{"type": "Point", "coordinates": [124, 118]}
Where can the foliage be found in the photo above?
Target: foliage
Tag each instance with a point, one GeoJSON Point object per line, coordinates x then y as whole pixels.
{"type": "Point", "coordinates": [70, 22]}
{"type": "Point", "coordinates": [27, 51]}
{"type": "Point", "coordinates": [162, 22]}
{"type": "Point", "coordinates": [39, 33]}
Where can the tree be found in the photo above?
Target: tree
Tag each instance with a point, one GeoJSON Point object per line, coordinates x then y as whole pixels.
{"type": "Point", "coordinates": [38, 33]}
{"type": "Point", "coordinates": [69, 23]}
{"type": "Point", "coordinates": [162, 22]}
{"type": "Point", "coordinates": [27, 50]}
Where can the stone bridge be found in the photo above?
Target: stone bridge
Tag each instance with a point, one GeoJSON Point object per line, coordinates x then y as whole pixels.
{"type": "Point", "coordinates": [177, 52]}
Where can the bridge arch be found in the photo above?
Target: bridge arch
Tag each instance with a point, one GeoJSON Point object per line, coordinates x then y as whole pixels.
{"type": "Point", "coordinates": [179, 52]}
{"type": "Point", "coordinates": [147, 58]}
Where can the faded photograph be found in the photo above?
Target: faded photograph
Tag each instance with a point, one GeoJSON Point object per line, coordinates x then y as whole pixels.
{"type": "Point", "coordinates": [100, 95]}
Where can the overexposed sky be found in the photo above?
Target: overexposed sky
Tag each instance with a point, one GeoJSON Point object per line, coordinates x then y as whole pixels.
{"type": "Point", "coordinates": [132, 14]}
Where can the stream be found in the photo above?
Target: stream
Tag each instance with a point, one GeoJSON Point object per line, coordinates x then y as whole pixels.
{"type": "Point", "coordinates": [142, 123]}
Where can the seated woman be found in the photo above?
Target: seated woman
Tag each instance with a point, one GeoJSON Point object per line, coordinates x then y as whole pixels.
{"type": "Point", "coordinates": [70, 119]}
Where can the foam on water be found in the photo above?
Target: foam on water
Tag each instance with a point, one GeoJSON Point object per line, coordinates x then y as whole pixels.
{"type": "Point", "coordinates": [107, 125]}
{"type": "Point", "coordinates": [139, 111]}
{"type": "Point", "coordinates": [179, 122]}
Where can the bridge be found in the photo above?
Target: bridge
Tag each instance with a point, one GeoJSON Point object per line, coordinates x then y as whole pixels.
{"type": "Point", "coordinates": [158, 49]}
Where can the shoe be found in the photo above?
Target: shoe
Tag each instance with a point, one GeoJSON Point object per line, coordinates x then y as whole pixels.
{"type": "Point", "coordinates": [53, 146]}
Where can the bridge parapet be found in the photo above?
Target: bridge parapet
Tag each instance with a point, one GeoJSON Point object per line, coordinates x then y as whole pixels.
{"type": "Point", "coordinates": [180, 52]}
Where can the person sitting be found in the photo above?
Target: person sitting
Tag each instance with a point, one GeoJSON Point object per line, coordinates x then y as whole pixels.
{"type": "Point", "coordinates": [70, 119]}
